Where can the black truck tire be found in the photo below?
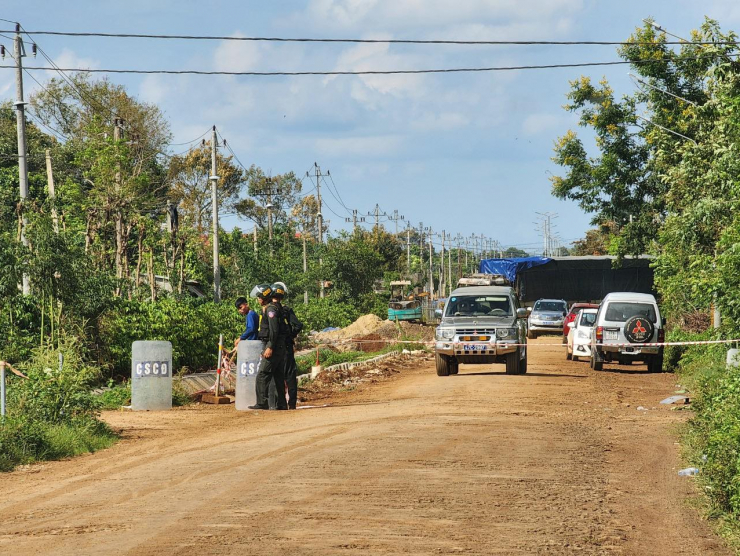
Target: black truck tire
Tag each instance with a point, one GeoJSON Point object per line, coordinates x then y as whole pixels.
{"type": "Point", "coordinates": [443, 364]}
{"type": "Point", "coordinates": [513, 363]}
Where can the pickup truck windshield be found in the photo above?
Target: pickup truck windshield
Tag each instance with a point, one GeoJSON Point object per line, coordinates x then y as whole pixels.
{"type": "Point", "coordinates": [479, 305]}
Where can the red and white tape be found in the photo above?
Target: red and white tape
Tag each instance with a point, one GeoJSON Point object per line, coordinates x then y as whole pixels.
{"type": "Point", "coordinates": [559, 344]}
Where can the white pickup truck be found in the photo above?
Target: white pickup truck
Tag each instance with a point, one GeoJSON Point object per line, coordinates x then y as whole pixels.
{"type": "Point", "coordinates": [482, 325]}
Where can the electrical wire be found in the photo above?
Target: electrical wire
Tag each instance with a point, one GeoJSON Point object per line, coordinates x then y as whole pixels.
{"type": "Point", "coordinates": [365, 41]}
{"type": "Point", "coordinates": [358, 72]}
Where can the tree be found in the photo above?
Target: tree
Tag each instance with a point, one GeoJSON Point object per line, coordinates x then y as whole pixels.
{"type": "Point", "coordinates": [281, 191]}
{"type": "Point", "coordinates": [190, 188]}
{"type": "Point", "coordinates": [596, 242]}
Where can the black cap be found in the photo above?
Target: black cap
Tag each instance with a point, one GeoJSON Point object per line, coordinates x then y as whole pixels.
{"type": "Point", "coordinates": [240, 301]}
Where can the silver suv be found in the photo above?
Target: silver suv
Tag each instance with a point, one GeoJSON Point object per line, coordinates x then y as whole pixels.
{"type": "Point", "coordinates": [624, 323]}
{"type": "Point", "coordinates": [480, 325]}
{"type": "Point", "coordinates": [547, 317]}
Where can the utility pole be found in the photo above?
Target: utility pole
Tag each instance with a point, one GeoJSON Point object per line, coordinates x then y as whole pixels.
{"type": "Point", "coordinates": [449, 267]}
{"type": "Point", "coordinates": [431, 265]}
{"type": "Point", "coordinates": [378, 213]}
{"type": "Point", "coordinates": [396, 217]}
{"type": "Point", "coordinates": [320, 217]}
{"type": "Point", "coordinates": [442, 285]}
{"type": "Point", "coordinates": [319, 175]}
{"type": "Point", "coordinates": [305, 259]}
{"type": "Point", "coordinates": [52, 192]}
{"type": "Point", "coordinates": [408, 250]}
{"type": "Point", "coordinates": [269, 217]}
{"type": "Point", "coordinates": [214, 205]}
{"type": "Point", "coordinates": [355, 219]}
{"type": "Point", "coordinates": [254, 239]}
{"type": "Point", "coordinates": [22, 160]}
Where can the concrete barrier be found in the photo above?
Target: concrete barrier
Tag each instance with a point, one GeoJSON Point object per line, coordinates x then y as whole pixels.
{"type": "Point", "coordinates": [151, 376]}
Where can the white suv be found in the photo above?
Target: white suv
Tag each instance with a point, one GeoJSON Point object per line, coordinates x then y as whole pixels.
{"type": "Point", "coordinates": [624, 323]}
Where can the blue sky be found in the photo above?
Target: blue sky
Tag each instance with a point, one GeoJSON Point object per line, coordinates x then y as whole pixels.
{"type": "Point", "coordinates": [467, 153]}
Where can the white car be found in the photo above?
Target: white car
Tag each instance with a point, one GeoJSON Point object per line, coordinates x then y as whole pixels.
{"type": "Point", "coordinates": [579, 335]}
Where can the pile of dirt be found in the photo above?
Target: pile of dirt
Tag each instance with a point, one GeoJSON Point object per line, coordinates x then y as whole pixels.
{"type": "Point", "coordinates": [366, 324]}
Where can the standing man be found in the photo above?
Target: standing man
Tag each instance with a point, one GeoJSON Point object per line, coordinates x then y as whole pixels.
{"type": "Point", "coordinates": [293, 327]}
{"type": "Point", "coordinates": [272, 335]}
{"type": "Point", "coordinates": [251, 318]}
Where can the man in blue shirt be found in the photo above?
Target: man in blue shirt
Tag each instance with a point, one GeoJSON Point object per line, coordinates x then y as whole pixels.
{"type": "Point", "coordinates": [252, 320]}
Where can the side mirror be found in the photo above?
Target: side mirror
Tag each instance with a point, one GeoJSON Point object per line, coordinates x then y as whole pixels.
{"type": "Point", "coordinates": [571, 324]}
{"type": "Point", "coordinates": [522, 313]}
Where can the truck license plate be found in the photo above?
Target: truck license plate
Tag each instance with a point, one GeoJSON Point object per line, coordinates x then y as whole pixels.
{"type": "Point", "coordinates": [473, 347]}
{"type": "Point", "coordinates": [611, 335]}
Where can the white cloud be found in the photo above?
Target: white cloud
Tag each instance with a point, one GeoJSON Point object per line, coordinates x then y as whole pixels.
{"type": "Point", "coordinates": [406, 14]}
{"type": "Point", "coordinates": [381, 145]}
{"type": "Point", "coordinates": [237, 55]}
{"type": "Point", "coordinates": [536, 124]}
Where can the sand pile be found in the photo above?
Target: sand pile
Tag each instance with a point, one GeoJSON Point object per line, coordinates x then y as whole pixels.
{"type": "Point", "coordinates": [366, 324]}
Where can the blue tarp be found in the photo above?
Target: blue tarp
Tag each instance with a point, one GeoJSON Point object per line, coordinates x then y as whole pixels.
{"type": "Point", "coordinates": [510, 267]}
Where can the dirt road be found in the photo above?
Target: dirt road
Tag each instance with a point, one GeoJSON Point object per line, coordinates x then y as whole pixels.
{"type": "Point", "coordinates": [559, 461]}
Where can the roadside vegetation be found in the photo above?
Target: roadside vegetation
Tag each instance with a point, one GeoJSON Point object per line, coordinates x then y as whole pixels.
{"type": "Point", "coordinates": [666, 181]}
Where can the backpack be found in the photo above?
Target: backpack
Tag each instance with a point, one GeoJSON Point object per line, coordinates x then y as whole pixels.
{"type": "Point", "coordinates": [295, 326]}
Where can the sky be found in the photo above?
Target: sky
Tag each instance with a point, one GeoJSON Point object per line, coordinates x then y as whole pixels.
{"type": "Point", "coordinates": [467, 153]}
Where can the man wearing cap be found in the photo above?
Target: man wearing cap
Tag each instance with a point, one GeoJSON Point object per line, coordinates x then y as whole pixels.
{"type": "Point", "coordinates": [273, 357]}
{"type": "Point", "coordinates": [251, 318]}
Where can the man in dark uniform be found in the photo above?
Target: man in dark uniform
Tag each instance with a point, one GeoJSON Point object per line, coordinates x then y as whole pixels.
{"type": "Point", "coordinates": [272, 334]}
{"type": "Point", "coordinates": [279, 292]}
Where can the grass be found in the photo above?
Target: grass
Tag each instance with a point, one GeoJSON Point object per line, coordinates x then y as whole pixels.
{"type": "Point", "coordinates": [24, 441]}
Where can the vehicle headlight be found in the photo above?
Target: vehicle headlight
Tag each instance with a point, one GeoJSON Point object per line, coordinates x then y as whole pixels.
{"type": "Point", "coordinates": [445, 333]}
{"type": "Point", "coordinates": [506, 333]}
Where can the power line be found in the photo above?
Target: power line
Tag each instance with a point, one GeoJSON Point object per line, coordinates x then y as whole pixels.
{"type": "Point", "coordinates": [367, 41]}
{"type": "Point", "coordinates": [362, 72]}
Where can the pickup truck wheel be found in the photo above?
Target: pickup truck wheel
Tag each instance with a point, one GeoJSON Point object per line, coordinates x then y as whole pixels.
{"type": "Point", "coordinates": [454, 367]}
{"type": "Point", "coordinates": [655, 364]}
{"type": "Point", "coordinates": [531, 335]}
{"type": "Point", "coordinates": [443, 365]}
{"type": "Point", "coordinates": [595, 364]}
{"type": "Point", "coordinates": [513, 363]}
{"type": "Point", "coordinates": [523, 366]}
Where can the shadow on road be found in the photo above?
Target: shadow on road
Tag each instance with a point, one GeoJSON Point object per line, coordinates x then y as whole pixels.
{"type": "Point", "coordinates": [501, 373]}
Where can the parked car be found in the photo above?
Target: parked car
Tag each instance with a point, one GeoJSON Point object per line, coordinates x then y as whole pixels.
{"type": "Point", "coordinates": [547, 316]}
{"type": "Point", "coordinates": [570, 317]}
{"type": "Point", "coordinates": [624, 319]}
{"type": "Point", "coordinates": [578, 342]}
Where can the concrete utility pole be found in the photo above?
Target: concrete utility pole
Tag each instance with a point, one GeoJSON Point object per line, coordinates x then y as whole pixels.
{"type": "Point", "coordinates": [52, 192]}
{"type": "Point", "coordinates": [22, 160]}
{"type": "Point", "coordinates": [431, 265]}
{"type": "Point", "coordinates": [396, 217]}
{"type": "Point", "coordinates": [408, 250]}
{"type": "Point", "coordinates": [442, 285]}
{"type": "Point", "coordinates": [305, 259]}
{"type": "Point", "coordinates": [269, 217]}
{"type": "Point", "coordinates": [449, 268]}
{"type": "Point", "coordinates": [320, 216]}
{"type": "Point", "coordinates": [214, 204]}
{"type": "Point", "coordinates": [377, 213]}
{"type": "Point", "coordinates": [254, 239]}
{"type": "Point", "coordinates": [355, 219]}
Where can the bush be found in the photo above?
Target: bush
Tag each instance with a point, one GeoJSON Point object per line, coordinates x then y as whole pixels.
{"type": "Point", "coordinates": [326, 312]}
{"type": "Point", "coordinates": [193, 327]}
{"type": "Point", "coordinates": [52, 414]}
